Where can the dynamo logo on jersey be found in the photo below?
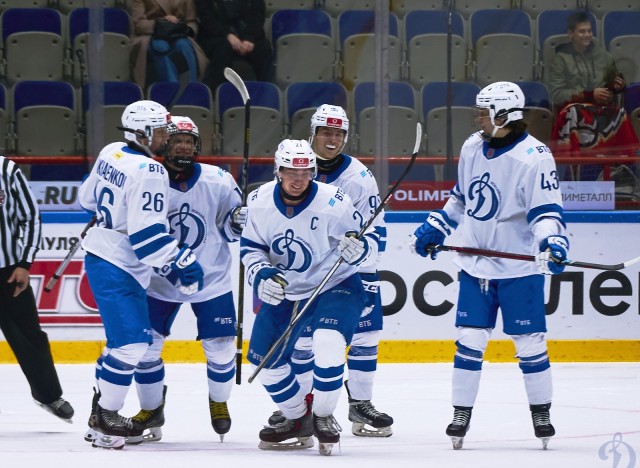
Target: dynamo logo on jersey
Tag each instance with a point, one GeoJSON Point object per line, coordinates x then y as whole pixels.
{"type": "Point", "coordinates": [187, 226]}
{"type": "Point", "coordinates": [294, 254]}
{"type": "Point", "coordinates": [483, 198]}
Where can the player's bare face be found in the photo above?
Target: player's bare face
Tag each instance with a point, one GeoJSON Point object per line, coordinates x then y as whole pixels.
{"type": "Point", "coordinates": [159, 139]}
{"type": "Point", "coordinates": [328, 142]}
{"type": "Point", "coordinates": [581, 36]}
{"type": "Point", "coordinates": [295, 181]}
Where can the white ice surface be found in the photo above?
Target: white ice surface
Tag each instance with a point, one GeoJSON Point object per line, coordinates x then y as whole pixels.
{"type": "Point", "coordinates": [592, 403]}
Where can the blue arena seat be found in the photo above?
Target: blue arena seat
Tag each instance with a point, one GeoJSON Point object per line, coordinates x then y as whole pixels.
{"type": "Point", "coordinates": [304, 46]}
{"type": "Point", "coordinates": [302, 100]}
{"type": "Point", "coordinates": [621, 36]}
{"type": "Point", "coordinates": [195, 102]}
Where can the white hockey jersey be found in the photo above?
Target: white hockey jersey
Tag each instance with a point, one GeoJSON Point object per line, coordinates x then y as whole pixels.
{"type": "Point", "coordinates": [302, 240]}
{"type": "Point", "coordinates": [199, 213]}
{"type": "Point", "coordinates": [358, 182]}
{"type": "Point", "coordinates": [128, 192]}
{"type": "Point", "coordinates": [499, 196]}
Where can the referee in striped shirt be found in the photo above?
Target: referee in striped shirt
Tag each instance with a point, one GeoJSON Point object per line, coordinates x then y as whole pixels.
{"type": "Point", "coordinates": [20, 232]}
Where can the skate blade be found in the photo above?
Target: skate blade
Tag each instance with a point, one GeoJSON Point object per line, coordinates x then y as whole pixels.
{"type": "Point", "coordinates": [104, 441]}
{"type": "Point", "coordinates": [91, 435]}
{"type": "Point", "coordinates": [457, 442]}
{"type": "Point", "coordinates": [362, 430]}
{"type": "Point", "coordinates": [154, 435]}
{"type": "Point", "coordinates": [545, 442]}
{"type": "Point", "coordinates": [48, 410]}
{"type": "Point", "coordinates": [299, 444]}
{"type": "Point", "coordinates": [325, 448]}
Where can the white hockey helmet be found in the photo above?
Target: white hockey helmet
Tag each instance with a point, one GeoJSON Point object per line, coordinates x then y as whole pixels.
{"type": "Point", "coordinates": [143, 117]}
{"type": "Point", "coordinates": [503, 99]}
{"type": "Point", "coordinates": [295, 154]}
{"type": "Point", "coordinates": [185, 126]}
{"type": "Point", "coordinates": [328, 115]}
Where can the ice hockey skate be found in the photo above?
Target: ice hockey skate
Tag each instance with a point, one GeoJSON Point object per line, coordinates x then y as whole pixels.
{"type": "Point", "coordinates": [459, 426]}
{"type": "Point", "coordinates": [541, 423]}
{"type": "Point", "coordinates": [220, 418]}
{"type": "Point", "coordinates": [291, 434]}
{"type": "Point", "coordinates": [59, 408]}
{"type": "Point", "coordinates": [112, 429]}
{"type": "Point", "coordinates": [151, 422]}
{"type": "Point", "coordinates": [92, 432]}
{"type": "Point", "coordinates": [362, 413]}
{"type": "Point", "coordinates": [327, 431]}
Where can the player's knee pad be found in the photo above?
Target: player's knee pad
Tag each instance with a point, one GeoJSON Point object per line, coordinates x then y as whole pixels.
{"type": "Point", "coordinates": [328, 348]}
{"type": "Point", "coordinates": [366, 339]}
{"type": "Point", "coordinates": [220, 350]}
{"type": "Point", "coordinates": [304, 343]}
{"type": "Point", "coordinates": [130, 354]}
{"type": "Point", "coordinates": [154, 351]}
{"type": "Point", "coordinates": [470, 347]}
{"type": "Point", "coordinates": [531, 349]}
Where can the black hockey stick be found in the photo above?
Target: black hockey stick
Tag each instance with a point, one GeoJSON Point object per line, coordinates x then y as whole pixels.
{"type": "Point", "coordinates": [72, 251]}
{"type": "Point", "coordinates": [237, 82]}
{"type": "Point", "coordinates": [532, 258]}
{"type": "Point", "coordinates": [331, 272]}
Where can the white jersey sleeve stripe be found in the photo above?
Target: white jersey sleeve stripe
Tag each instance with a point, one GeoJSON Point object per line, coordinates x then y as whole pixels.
{"type": "Point", "coordinates": [550, 210]}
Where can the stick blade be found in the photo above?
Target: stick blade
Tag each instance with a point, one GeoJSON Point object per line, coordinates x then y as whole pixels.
{"type": "Point", "coordinates": [416, 147]}
{"type": "Point", "coordinates": [236, 81]}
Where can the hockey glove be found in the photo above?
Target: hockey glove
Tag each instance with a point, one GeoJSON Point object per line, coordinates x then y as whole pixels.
{"type": "Point", "coordinates": [238, 219]}
{"type": "Point", "coordinates": [553, 251]}
{"type": "Point", "coordinates": [354, 251]}
{"type": "Point", "coordinates": [190, 274]}
{"type": "Point", "coordinates": [431, 234]}
{"type": "Point", "coordinates": [269, 284]}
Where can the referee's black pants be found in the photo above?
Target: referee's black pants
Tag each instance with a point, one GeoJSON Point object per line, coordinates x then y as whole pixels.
{"type": "Point", "coordinates": [20, 326]}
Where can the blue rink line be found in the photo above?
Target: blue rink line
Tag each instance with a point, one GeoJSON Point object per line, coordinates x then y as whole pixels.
{"type": "Point", "coordinates": [413, 217]}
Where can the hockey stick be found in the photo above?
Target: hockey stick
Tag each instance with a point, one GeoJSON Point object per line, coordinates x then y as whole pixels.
{"type": "Point", "coordinates": [237, 82]}
{"type": "Point", "coordinates": [532, 258]}
{"type": "Point", "coordinates": [330, 273]}
{"type": "Point", "coordinates": [72, 251]}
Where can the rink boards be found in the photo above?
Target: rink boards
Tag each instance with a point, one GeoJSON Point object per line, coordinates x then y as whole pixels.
{"type": "Point", "coordinates": [592, 315]}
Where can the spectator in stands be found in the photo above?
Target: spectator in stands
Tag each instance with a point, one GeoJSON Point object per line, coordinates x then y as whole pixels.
{"type": "Point", "coordinates": [232, 30]}
{"type": "Point", "coordinates": [164, 43]}
{"type": "Point", "coordinates": [587, 90]}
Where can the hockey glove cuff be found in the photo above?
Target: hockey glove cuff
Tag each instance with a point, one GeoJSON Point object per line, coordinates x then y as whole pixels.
{"type": "Point", "coordinates": [553, 251]}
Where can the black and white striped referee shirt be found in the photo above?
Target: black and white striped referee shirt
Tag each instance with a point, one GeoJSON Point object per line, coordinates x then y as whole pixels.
{"type": "Point", "coordinates": [20, 227]}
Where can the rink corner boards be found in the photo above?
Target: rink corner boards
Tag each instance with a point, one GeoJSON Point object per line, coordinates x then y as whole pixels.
{"type": "Point", "coordinates": [390, 351]}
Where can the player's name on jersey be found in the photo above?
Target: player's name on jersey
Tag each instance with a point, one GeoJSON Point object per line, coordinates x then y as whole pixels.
{"type": "Point", "coordinates": [56, 195]}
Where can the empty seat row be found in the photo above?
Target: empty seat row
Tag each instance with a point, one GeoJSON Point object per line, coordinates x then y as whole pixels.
{"type": "Point", "coordinates": [46, 118]}
{"type": "Point", "coordinates": [42, 44]}
{"type": "Point", "coordinates": [64, 6]}
{"type": "Point", "coordinates": [464, 7]}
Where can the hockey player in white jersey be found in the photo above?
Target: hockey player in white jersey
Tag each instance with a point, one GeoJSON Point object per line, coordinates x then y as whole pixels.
{"type": "Point", "coordinates": [297, 230]}
{"type": "Point", "coordinates": [204, 212]}
{"type": "Point", "coordinates": [507, 198]}
{"type": "Point", "coordinates": [127, 190]}
{"type": "Point", "coordinates": [329, 135]}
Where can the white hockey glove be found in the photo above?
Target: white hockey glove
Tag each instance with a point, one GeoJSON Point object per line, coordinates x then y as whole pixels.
{"type": "Point", "coordinates": [354, 251]}
{"type": "Point", "coordinates": [553, 251]}
{"type": "Point", "coordinates": [238, 219]}
{"type": "Point", "coordinates": [269, 284]}
{"type": "Point", "coordinates": [432, 233]}
{"type": "Point", "coordinates": [190, 274]}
